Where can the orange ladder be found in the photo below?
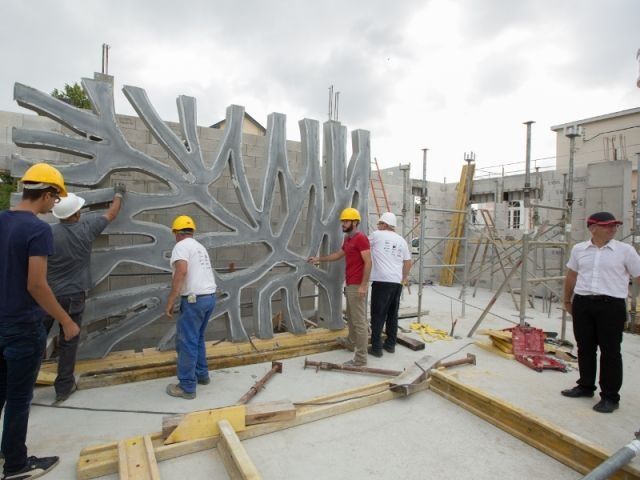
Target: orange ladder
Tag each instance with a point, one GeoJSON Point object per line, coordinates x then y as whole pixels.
{"type": "Point", "coordinates": [377, 189]}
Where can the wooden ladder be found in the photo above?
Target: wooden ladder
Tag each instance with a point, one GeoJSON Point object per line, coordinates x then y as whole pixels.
{"type": "Point", "coordinates": [457, 226]}
{"type": "Point", "coordinates": [377, 189]}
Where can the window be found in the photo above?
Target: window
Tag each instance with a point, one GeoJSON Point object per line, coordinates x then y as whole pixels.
{"type": "Point", "coordinates": [514, 219]}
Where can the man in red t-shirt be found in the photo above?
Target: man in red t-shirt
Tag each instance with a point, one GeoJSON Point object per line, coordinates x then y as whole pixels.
{"type": "Point", "coordinates": [355, 250]}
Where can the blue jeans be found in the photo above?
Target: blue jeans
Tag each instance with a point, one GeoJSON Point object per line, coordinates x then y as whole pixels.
{"type": "Point", "coordinates": [21, 348]}
{"type": "Point", "coordinates": [190, 329]}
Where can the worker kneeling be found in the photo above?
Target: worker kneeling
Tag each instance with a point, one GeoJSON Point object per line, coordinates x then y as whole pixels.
{"type": "Point", "coordinates": [194, 282]}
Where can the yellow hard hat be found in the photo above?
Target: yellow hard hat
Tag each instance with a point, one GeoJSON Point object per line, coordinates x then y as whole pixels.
{"type": "Point", "coordinates": [350, 214]}
{"type": "Point", "coordinates": [183, 222]}
{"type": "Point", "coordinates": [42, 173]}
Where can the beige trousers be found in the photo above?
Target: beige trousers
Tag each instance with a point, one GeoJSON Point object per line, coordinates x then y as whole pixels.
{"type": "Point", "coordinates": [357, 322]}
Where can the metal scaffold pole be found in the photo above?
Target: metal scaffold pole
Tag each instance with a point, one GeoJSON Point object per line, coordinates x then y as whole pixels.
{"type": "Point", "coordinates": [634, 325]}
{"type": "Point", "coordinates": [571, 132]}
{"type": "Point", "coordinates": [524, 286]}
{"type": "Point", "coordinates": [423, 208]}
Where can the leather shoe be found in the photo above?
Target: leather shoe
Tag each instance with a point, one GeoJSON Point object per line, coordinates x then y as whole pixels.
{"type": "Point", "coordinates": [576, 392]}
{"type": "Point", "coordinates": [375, 353]}
{"type": "Point", "coordinates": [389, 349]}
{"type": "Point", "coordinates": [606, 406]}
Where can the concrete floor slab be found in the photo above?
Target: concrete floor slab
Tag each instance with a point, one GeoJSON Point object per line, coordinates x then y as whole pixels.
{"type": "Point", "coordinates": [423, 436]}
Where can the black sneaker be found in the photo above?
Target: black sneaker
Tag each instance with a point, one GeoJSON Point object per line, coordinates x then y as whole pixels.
{"type": "Point", "coordinates": [35, 467]}
{"type": "Point", "coordinates": [375, 353]}
{"type": "Point", "coordinates": [389, 349]}
{"type": "Point", "coordinates": [606, 406]}
{"type": "Point", "coordinates": [577, 391]}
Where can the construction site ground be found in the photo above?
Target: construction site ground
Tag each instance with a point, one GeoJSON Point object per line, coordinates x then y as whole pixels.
{"type": "Point", "coordinates": [421, 436]}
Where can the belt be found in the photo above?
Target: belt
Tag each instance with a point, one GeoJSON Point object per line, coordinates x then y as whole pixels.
{"type": "Point", "coordinates": [598, 298]}
{"type": "Point", "coordinates": [201, 296]}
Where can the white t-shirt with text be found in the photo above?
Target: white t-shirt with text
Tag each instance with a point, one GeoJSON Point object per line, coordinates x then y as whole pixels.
{"type": "Point", "coordinates": [388, 253]}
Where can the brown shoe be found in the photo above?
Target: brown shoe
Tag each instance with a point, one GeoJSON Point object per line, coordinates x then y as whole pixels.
{"type": "Point", "coordinates": [353, 363]}
{"type": "Point", "coordinates": [176, 391]}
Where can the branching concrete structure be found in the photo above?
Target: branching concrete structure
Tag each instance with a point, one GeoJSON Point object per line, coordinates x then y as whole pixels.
{"type": "Point", "coordinates": [311, 199]}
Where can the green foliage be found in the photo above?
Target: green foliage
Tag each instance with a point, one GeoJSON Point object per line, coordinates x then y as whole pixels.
{"type": "Point", "coordinates": [73, 95]}
{"type": "Point", "coordinates": [7, 187]}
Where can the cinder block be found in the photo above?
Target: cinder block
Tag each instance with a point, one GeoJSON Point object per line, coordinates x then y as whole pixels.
{"type": "Point", "coordinates": [136, 136]}
{"type": "Point", "coordinates": [126, 122]}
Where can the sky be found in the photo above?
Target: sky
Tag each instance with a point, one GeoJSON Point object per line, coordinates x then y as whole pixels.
{"type": "Point", "coordinates": [453, 76]}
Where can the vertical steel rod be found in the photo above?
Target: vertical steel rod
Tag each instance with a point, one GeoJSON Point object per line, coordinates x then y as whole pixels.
{"type": "Point", "coordinates": [423, 206]}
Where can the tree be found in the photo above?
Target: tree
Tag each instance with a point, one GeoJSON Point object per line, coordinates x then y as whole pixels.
{"type": "Point", "coordinates": [73, 95]}
{"type": "Point", "coordinates": [7, 186]}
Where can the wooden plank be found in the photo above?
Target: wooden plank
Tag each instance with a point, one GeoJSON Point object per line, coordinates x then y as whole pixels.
{"type": "Point", "coordinates": [414, 374]}
{"type": "Point", "coordinates": [137, 460]}
{"type": "Point", "coordinates": [234, 456]}
{"type": "Point", "coordinates": [103, 459]}
{"type": "Point", "coordinates": [204, 423]}
{"type": "Point", "coordinates": [277, 411]}
{"type": "Point", "coordinates": [490, 347]}
{"type": "Point", "coordinates": [411, 343]}
{"type": "Point", "coordinates": [46, 378]}
{"type": "Point", "coordinates": [564, 446]}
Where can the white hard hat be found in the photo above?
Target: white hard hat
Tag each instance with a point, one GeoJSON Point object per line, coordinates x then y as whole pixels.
{"type": "Point", "coordinates": [388, 218]}
{"type": "Point", "coordinates": [67, 206]}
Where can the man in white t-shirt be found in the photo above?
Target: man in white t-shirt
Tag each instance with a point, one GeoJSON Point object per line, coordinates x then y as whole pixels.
{"type": "Point", "coordinates": [391, 263]}
{"type": "Point", "coordinates": [193, 281]}
{"type": "Point", "coordinates": [595, 291]}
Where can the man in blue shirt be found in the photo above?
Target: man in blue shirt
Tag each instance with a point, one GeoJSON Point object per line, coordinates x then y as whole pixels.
{"type": "Point", "coordinates": [25, 244]}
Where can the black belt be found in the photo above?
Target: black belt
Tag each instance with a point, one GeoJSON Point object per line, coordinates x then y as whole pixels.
{"type": "Point", "coordinates": [599, 298]}
{"type": "Point", "coordinates": [200, 296]}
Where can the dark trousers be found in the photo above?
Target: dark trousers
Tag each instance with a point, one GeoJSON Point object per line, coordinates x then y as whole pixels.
{"type": "Point", "coordinates": [67, 349]}
{"type": "Point", "coordinates": [385, 301]}
{"type": "Point", "coordinates": [598, 322]}
{"type": "Point", "coordinates": [21, 349]}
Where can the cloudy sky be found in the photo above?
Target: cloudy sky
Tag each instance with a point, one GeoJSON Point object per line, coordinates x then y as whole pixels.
{"type": "Point", "coordinates": [450, 75]}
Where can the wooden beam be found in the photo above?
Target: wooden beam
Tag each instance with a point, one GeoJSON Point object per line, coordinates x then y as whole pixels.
{"type": "Point", "coordinates": [137, 459]}
{"type": "Point", "coordinates": [411, 343]}
{"type": "Point", "coordinates": [564, 446]}
{"type": "Point", "coordinates": [415, 374]}
{"type": "Point", "coordinates": [277, 411]}
{"type": "Point", "coordinates": [235, 458]}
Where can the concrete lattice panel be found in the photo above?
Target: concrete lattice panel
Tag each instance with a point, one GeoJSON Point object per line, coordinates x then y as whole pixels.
{"type": "Point", "coordinates": [325, 186]}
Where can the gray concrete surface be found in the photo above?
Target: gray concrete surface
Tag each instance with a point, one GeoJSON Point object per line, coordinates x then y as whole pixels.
{"type": "Point", "coordinates": [423, 436]}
